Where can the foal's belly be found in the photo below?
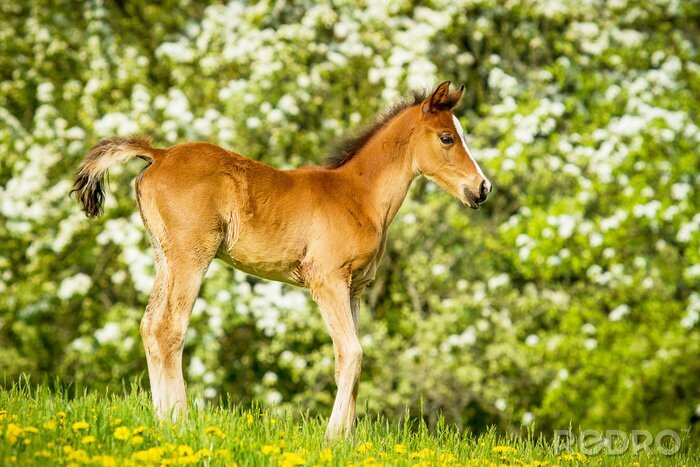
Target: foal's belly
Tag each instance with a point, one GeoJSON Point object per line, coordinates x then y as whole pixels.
{"type": "Point", "coordinates": [276, 269]}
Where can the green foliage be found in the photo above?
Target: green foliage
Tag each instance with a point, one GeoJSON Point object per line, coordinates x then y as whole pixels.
{"type": "Point", "coordinates": [570, 298]}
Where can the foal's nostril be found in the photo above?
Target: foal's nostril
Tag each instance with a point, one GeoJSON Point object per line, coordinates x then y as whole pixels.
{"type": "Point", "coordinates": [484, 190]}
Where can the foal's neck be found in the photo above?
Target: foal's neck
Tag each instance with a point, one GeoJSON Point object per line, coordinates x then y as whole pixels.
{"type": "Point", "coordinates": [384, 167]}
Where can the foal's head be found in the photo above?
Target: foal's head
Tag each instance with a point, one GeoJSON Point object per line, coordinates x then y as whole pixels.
{"type": "Point", "coordinates": [441, 151]}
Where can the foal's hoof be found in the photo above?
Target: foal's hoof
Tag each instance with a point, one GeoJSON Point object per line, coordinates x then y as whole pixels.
{"type": "Point", "coordinates": [332, 436]}
{"type": "Point", "coordinates": [338, 434]}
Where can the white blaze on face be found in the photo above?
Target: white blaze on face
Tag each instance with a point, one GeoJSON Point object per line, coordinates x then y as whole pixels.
{"type": "Point", "coordinates": [460, 131]}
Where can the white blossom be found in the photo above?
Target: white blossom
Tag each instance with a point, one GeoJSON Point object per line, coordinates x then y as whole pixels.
{"type": "Point", "coordinates": [273, 398]}
{"type": "Point", "coordinates": [680, 191]}
{"type": "Point", "coordinates": [590, 343]}
{"type": "Point", "coordinates": [619, 312]}
{"type": "Point", "coordinates": [75, 285]}
{"type": "Point", "coordinates": [692, 314]}
{"type": "Point", "coordinates": [110, 332]}
{"type": "Point", "coordinates": [44, 92]}
{"type": "Point", "coordinates": [532, 340]}
{"type": "Point", "coordinates": [500, 280]}
{"type": "Point", "coordinates": [270, 378]}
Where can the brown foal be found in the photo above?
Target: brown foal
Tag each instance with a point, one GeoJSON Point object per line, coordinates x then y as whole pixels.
{"type": "Point", "coordinates": [324, 228]}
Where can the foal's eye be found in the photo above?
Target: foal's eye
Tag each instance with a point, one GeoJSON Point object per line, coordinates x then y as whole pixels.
{"type": "Point", "coordinates": [447, 139]}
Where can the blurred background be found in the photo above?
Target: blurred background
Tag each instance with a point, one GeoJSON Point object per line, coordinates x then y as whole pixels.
{"type": "Point", "coordinates": [571, 298]}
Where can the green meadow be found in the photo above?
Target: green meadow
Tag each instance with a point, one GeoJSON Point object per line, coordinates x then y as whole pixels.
{"type": "Point", "coordinates": [44, 427]}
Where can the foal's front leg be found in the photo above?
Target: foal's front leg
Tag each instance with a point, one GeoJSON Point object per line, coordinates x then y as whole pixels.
{"type": "Point", "coordinates": [333, 298]}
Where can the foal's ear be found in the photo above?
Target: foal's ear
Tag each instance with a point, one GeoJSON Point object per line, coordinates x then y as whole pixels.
{"type": "Point", "coordinates": [438, 99]}
{"type": "Point", "coordinates": [455, 98]}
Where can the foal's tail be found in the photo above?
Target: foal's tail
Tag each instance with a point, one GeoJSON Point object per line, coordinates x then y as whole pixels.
{"type": "Point", "coordinates": [104, 154]}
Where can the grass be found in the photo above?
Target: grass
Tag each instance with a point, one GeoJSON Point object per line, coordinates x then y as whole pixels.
{"type": "Point", "coordinates": [40, 427]}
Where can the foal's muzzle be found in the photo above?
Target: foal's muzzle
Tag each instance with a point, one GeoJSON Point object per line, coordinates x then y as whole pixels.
{"type": "Point", "coordinates": [473, 200]}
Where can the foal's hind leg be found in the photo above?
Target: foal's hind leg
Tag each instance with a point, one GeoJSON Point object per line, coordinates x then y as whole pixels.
{"type": "Point", "coordinates": [158, 299]}
{"type": "Point", "coordinates": [185, 271]}
{"type": "Point", "coordinates": [156, 302]}
{"type": "Point", "coordinates": [183, 254]}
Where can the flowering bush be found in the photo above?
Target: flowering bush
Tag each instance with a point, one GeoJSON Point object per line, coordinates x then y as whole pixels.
{"type": "Point", "coordinates": [571, 297]}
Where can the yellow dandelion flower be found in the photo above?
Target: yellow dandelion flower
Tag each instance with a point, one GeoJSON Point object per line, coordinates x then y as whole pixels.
{"type": "Point", "coordinates": [122, 433]}
{"type": "Point", "coordinates": [77, 426]}
{"type": "Point", "coordinates": [425, 452]}
{"type": "Point", "coordinates": [383, 455]}
{"type": "Point", "coordinates": [364, 448]}
{"type": "Point", "coordinates": [77, 455]}
{"type": "Point", "coordinates": [270, 449]}
{"type": "Point", "coordinates": [204, 452]}
{"type": "Point", "coordinates": [567, 457]}
{"type": "Point", "coordinates": [152, 455]}
{"type": "Point", "coordinates": [139, 429]}
{"type": "Point", "coordinates": [249, 419]}
{"type": "Point", "coordinates": [169, 447]}
{"type": "Point", "coordinates": [579, 456]}
{"type": "Point", "coordinates": [447, 457]}
{"type": "Point", "coordinates": [3, 414]}
{"type": "Point", "coordinates": [61, 415]}
{"type": "Point", "coordinates": [214, 431]}
{"type": "Point", "coordinates": [43, 453]}
{"type": "Point", "coordinates": [116, 421]}
{"type": "Point", "coordinates": [136, 440]}
{"type": "Point", "coordinates": [370, 461]}
{"type": "Point", "coordinates": [27, 441]}
{"type": "Point", "coordinates": [87, 440]}
{"type": "Point", "coordinates": [503, 449]}
{"type": "Point", "coordinates": [50, 425]}
{"type": "Point", "coordinates": [104, 461]}
{"type": "Point", "coordinates": [326, 455]}
{"type": "Point", "coordinates": [290, 459]}
{"type": "Point", "coordinates": [184, 450]}
{"type": "Point", "coordinates": [13, 432]}
{"type": "Point", "coordinates": [225, 453]}
{"type": "Point", "coordinates": [31, 429]}
{"type": "Point", "coordinates": [399, 449]}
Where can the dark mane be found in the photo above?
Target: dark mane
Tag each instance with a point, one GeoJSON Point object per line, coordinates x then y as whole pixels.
{"type": "Point", "coordinates": [344, 149]}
